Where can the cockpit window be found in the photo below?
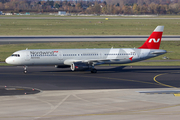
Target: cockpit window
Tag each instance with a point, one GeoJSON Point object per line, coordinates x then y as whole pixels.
{"type": "Point", "coordinates": [15, 55]}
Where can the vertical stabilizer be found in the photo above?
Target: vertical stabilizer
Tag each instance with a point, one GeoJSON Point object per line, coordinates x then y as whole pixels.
{"type": "Point", "coordinates": [154, 40]}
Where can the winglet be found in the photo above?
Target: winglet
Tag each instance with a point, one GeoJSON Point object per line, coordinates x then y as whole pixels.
{"type": "Point", "coordinates": [154, 40]}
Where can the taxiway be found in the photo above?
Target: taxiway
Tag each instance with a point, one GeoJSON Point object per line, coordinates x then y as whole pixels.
{"type": "Point", "coordinates": [112, 93]}
{"type": "Point", "coordinates": [48, 39]}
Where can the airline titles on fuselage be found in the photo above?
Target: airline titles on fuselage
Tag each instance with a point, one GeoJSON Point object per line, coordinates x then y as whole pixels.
{"type": "Point", "coordinates": [37, 54]}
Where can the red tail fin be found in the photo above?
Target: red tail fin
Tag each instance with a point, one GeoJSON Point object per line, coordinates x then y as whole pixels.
{"type": "Point", "coordinates": [154, 40]}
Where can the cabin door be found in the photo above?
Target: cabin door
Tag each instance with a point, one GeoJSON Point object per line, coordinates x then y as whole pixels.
{"type": "Point", "coordinates": [28, 56]}
{"type": "Point", "coordinates": [60, 56]}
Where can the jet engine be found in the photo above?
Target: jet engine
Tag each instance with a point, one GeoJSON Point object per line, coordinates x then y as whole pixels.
{"type": "Point", "coordinates": [79, 66]}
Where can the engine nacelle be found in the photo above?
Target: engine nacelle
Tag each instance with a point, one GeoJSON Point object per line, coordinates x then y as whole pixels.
{"type": "Point", "coordinates": [79, 66]}
{"type": "Point", "coordinates": [62, 66]}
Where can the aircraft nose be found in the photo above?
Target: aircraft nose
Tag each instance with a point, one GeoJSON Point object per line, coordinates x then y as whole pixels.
{"type": "Point", "coordinates": [8, 60]}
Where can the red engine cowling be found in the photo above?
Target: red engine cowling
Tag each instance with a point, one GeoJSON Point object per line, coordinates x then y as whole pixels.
{"type": "Point", "coordinates": [79, 66]}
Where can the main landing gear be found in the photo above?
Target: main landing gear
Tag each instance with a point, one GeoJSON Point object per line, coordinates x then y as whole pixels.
{"type": "Point", "coordinates": [93, 70]}
{"type": "Point", "coordinates": [25, 69]}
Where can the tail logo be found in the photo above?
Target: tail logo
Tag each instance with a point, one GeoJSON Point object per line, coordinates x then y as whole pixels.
{"type": "Point", "coordinates": [154, 40]}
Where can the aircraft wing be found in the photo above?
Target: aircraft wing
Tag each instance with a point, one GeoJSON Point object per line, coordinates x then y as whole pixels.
{"type": "Point", "coordinates": [99, 61]}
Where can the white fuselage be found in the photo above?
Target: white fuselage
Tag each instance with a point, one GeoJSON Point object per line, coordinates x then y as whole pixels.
{"type": "Point", "coordinates": [69, 56]}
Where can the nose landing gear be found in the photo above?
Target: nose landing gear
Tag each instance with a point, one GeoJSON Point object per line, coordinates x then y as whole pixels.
{"type": "Point", "coordinates": [25, 69]}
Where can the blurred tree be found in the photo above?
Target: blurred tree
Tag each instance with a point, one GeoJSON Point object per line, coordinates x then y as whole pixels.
{"type": "Point", "coordinates": [144, 9]}
{"type": "Point", "coordinates": [69, 4]}
{"type": "Point", "coordinates": [57, 5]}
{"type": "Point", "coordinates": [136, 8]}
{"type": "Point", "coordinates": [117, 10]}
{"type": "Point", "coordinates": [105, 7]}
{"type": "Point", "coordinates": [104, 10]}
{"type": "Point", "coordinates": [127, 9]}
{"type": "Point", "coordinates": [152, 8]}
{"type": "Point", "coordinates": [1, 5]}
{"type": "Point", "coordinates": [79, 5]}
{"type": "Point", "coordinates": [140, 2]}
{"type": "Point", "coordinates": [157, 8]}
{"type": "Point", "coordinates": [4, 1]}
{"type": "Point", "coordinates": [51, 3]}
{"type": "Point", "coordinates": [97, 8]}
{"type": "Point", "coordinates": [104, 3]}
{"type": "Point", "coordinates": [174, 8]}
{"type": "Point", "coordinates": [117, 4]}
{"type": "Point", "coordinates": [42, 2]}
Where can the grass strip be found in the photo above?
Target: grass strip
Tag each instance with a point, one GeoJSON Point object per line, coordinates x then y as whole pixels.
{"type": "Point", "coordinates": [87, 26]}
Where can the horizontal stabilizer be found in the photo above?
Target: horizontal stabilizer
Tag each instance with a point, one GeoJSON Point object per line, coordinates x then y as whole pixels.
{"type": "Point", "coordinates": [159, 52]}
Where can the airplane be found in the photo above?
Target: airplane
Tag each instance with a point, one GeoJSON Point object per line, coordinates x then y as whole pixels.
{"type": "Point", "coordinates": [87, 59]}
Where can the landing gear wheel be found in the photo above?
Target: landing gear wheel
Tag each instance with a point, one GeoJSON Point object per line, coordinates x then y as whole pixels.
{"type": "Point", "coordinates": [25, 71]}
{"type": "Point", "coordinates": [93, 71]}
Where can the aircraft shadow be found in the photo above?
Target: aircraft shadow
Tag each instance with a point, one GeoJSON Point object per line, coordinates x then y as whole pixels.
{"type": "Point", "coordinates": [102, 70]}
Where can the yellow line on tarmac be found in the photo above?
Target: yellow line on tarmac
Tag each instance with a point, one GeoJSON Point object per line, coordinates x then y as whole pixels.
{"type": "Point", "coordinates": [162, 83]}
{"type": "Point", "coordinates": [177, 95]}
{"type": "Point", "coordinates": [108, 78]}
